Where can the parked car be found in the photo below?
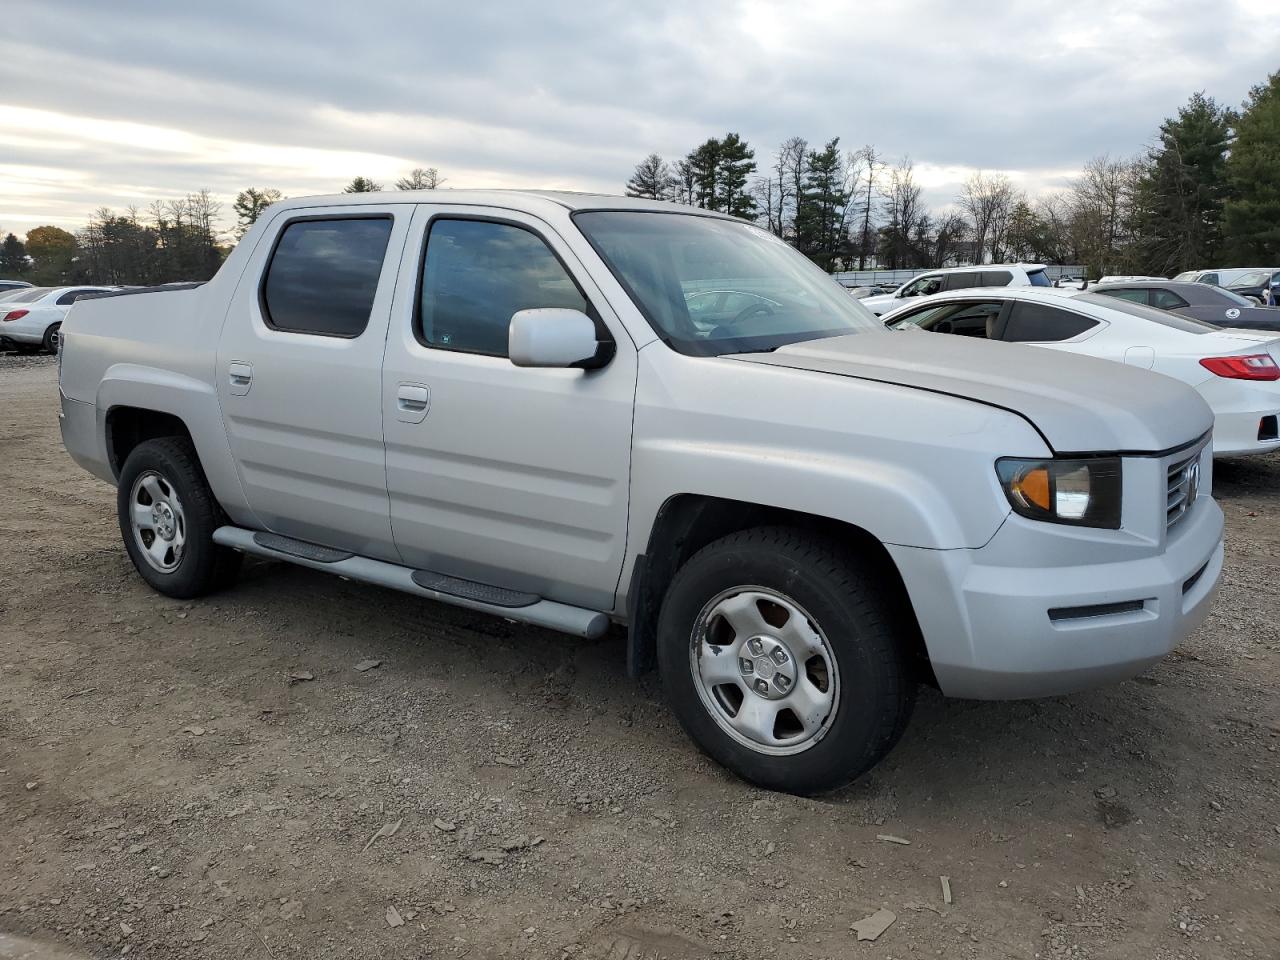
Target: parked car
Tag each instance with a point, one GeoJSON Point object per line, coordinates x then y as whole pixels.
{"type": "Point", "coordinates": [1219, 277]}
{"type": "Point", "coordinates": [502, 400]}
{"type": "Point", "coordinates": [7, 286]}
{"type": "Point", "coordinates": [1215, 305]}
{"type": "Point", "coordinates": [30, 318]}
{"type": "Point", "coordinates": [1237, 372]}
{"type": "Point", "coordinates": [874, 290]}
{"type": "Point", "coordinates": [1071, 283]}
{"type": "Point", "coordinates": [957, 278]}
{"type": "Point", "coordinates": [1258, 285]}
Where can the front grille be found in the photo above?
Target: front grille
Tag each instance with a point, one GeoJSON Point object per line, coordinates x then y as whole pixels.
{"type": "Point", "coordinates": [1183, 487]}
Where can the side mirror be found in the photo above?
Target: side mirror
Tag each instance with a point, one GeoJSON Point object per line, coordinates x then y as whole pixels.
{"type": "Point", "coordinates": [556, 337]}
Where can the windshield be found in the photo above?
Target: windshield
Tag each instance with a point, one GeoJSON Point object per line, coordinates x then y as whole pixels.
{"type": "Point", "coordinates": [1162, 317]}
{"type": "Point", "coordinates": [710, 286]}
{"type": "Point", "coordinates": [1255, 278]}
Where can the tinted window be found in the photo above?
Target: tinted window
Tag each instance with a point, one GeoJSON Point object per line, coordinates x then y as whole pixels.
{"type": "Point", "coordinates": [1039, 278]}
{"type": "Point", "coordinates": [71, 296]}
{"type": "Point", "coordinates": [1166, 299]}
{"type": "Point", "coordinates": [1175, 320]}
{"type": "Point", "coordinates": [996, 278]}
{"type": "Point", "coordinates": [963, 280]}
{"type": "Point", "coordinates": [323, 276]}
{"type": "Point", "coordinates": [1037, 323]}
{"type": "Point", "coordinates": [1133, 296]}
{"type": "Point", "coordinates": [963, 319]}
{"type": "Point", "coordinates": [476, 274]}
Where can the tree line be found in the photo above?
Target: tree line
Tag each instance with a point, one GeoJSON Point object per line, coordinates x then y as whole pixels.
{"type": "Point", "coordinates": [1207, 190]}
{"type": "Point", "coordinates": [168, 241]}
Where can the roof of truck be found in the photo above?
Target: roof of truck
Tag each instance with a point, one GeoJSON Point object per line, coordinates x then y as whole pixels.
{"type": "Point", "coordinates": [529, 200]}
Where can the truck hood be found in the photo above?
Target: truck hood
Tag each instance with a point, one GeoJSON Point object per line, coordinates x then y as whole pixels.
{"type": "Point", "coordinates": [1078, 404]}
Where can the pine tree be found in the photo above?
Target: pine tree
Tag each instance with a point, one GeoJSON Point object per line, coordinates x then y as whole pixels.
{"type": "Point", "coordinates": [1251, 219]}
{"type": "Point", "coordinates": [362, 185]}
{"type": "Point", "coordinates": [1181, 194]}
{"type": "Point", "coordinates": [249, 204]}
{"type": "Point", "coordinates": [704, 164]}
{"type": "Point", "coordinates": [13, 257]}
{"type": "Point", "coordinates": [820, 212]}
{"type": "Point", "coordinates": [652, 180]}
{"type": "Point", "coordinates": [736, 164]}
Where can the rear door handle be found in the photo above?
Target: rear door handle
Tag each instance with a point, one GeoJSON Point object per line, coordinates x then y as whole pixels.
{"type": "Point", "coordinates": [413, 400]}
{"type": "Point", "coordinates": [241, 376]}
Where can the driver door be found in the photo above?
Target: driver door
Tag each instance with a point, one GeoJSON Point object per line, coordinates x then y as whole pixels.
{"type": "Point", "coordinates": [509, 476]}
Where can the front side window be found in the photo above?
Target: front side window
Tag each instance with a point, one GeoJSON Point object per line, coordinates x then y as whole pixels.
{"type": "Point", "coordinates": [1037, 323]}
{"type": "Point", "coordinates": [923, 286]}
{"type": "Point", "coordinates": [476, 274]}
{"type": "Point", "coordinates": [1208, 278]}
{"type": "Point", "coordinates": [964, 319]}
{"type": "Point", "coordinates": [665, 260]}
{"type": "Point", "coordinates": [323, 275]}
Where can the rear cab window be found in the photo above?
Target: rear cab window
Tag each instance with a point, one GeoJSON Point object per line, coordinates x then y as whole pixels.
{"type": "Point", "coordinates": [323, 274]}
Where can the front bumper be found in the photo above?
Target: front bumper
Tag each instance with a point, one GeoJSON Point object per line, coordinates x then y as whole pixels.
{"type": "Point", "coordinates": [987, 619]}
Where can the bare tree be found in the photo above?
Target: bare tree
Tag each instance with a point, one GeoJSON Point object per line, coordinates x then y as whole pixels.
{"type": "Point", "coordinates": [902, 211]}
{"type": "Point", "coordinates": [421, 178]}
{"type": "Point", "coordinates": [874, 167]}
{"type": "Point", "coordinates": [791, 167]}
{"type": "Point", "coordinates": [1102, 201]}
{"type": "Point", "coordinates": [988, 199]}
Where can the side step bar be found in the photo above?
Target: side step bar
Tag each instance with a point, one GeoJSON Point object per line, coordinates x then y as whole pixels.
{"type": "Point", "coordinates": [526, 608]}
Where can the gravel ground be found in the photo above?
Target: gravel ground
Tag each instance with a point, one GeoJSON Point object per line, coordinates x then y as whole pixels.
{"type": "Point", "coordinates": [221, 779]}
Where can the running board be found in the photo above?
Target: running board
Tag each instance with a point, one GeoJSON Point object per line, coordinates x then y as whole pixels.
{"type": "Point", "coordinates": [510, 604]}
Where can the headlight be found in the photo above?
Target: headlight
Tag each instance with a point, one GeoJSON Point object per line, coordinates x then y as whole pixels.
{"type": "Point", "coordinates": [1081, 492]}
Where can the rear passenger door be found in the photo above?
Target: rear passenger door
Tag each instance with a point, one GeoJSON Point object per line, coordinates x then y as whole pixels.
{"type": "Point", "coordinates": [508, 476]}
{"type": "Point", "coordinates": [299, 374]}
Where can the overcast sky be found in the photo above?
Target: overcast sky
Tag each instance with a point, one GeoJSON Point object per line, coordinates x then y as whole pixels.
{"type": "Point", "coordinates": [119, 102]}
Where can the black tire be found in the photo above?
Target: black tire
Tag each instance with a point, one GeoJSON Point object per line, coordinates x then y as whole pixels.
{"type": "Point", "coordinates": [203, 566]}
{"type": "Point", "coordinates": [50, 343]}
{"type": "Point", "coordinates": [876, 691]}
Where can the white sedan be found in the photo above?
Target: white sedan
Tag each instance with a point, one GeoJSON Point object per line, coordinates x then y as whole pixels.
{"type": "Point", "coordinates": [1236, 371]}
{"type": "Point", "coordinates": [30, 318]}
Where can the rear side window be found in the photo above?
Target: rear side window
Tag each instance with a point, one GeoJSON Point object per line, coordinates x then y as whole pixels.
{"type": "Point", "coordinates": [963, 280]}
{"type": "Point", "coordinates": [1166, 300]}
{"type": "Point", "coordinates": [323, 275]}
{"type": "Point", "coordinates": [1037, 323]}
{"type": "Point", "coordinates": [1133, 296]}
{"type": "Point", "coordinates": [996, 278]}
{"type": "Point", "coordinates": [476, 274]}
{"type": "Point", "coordinates": [71, 296]}
{"type": "Point", "coordinates": [1039, 278]}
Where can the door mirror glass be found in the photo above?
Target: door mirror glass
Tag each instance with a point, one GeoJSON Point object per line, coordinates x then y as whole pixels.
{"type": "Point", "coordinates": [555, 337]}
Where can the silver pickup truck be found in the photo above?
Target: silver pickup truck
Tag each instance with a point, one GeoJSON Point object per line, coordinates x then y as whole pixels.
{"type": "Point", "coordinates": [574, 411]}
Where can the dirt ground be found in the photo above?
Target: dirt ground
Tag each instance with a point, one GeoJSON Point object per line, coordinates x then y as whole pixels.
{"type": "Point", "coordinates": [220, 779]}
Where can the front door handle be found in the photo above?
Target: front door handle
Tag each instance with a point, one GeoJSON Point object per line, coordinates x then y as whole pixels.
{"type": "Point", "coordinates": [413, 400]}
{"type": "Point", "coordinates": [241, 376]}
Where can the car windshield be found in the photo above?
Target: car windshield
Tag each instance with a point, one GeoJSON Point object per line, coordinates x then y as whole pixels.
{"type": "Point", "coordinates": [26, 295]}
{"type": "Point", "coordinates": [1175, 320]}
{"type": "Point", "coordinates": [1255, 278]}
{"type": "Point", "coordinates": [710, 287]}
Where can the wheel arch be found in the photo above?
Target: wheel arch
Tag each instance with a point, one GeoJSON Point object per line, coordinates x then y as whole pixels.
{"type": "Point", "coordinates": [687, 522]}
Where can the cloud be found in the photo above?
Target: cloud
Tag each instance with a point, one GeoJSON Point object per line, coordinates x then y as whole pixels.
{"type": "Point", "coordinates": [118, 104]}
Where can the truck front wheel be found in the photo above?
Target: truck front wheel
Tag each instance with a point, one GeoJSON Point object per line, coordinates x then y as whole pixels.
{"type": "Point", "coordinates": [782, 660]}
{"type": "Point", "coordinates": [167, 517]}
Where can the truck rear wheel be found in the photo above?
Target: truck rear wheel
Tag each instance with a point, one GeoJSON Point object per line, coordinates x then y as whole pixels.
{"type": "Point", "coordinates": [782, 661]}
{"type": "Point", "coordinates": [167, 517]}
